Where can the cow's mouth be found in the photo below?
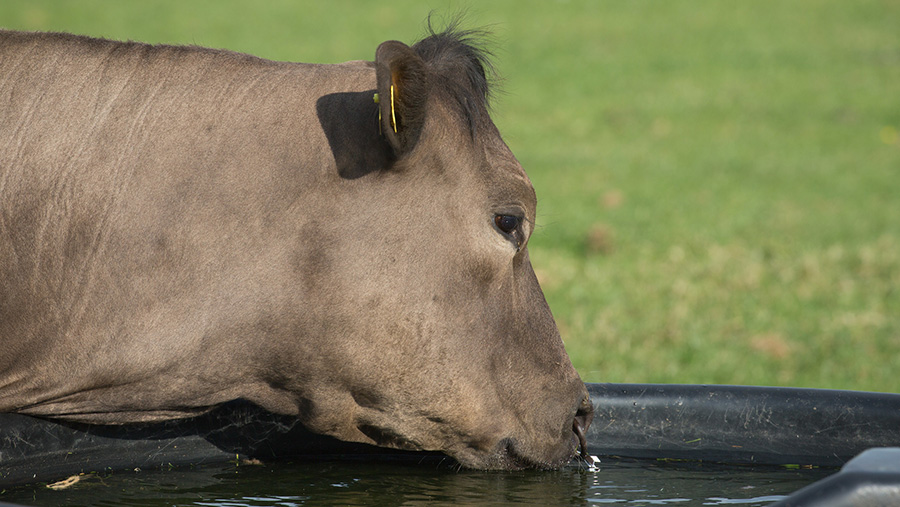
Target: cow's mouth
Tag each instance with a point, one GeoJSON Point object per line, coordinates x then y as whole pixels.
{"type": "Point", "coordinates": [512, 457]}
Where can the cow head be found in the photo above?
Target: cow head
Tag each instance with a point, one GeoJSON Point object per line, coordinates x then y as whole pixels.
{"type": "Point", "coordinates": [437, 324]}
{"type": "Point", "coordinates": [381, 291]}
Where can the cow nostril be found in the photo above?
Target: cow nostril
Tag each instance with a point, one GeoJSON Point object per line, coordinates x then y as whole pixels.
{"type": "Point", "coordinates": [580, 424]}
{"type": "Point", "coordinates": [578, 428]}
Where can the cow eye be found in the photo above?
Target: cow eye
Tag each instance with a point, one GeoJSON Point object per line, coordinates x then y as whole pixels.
{"type": "Point", "coordinates": [507, 223]}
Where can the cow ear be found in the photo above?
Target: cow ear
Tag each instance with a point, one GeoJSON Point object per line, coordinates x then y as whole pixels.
{"type": "Point", "coordinates": [402, 93]}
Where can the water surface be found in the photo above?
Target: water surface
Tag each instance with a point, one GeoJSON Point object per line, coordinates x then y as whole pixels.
{"type": "Point", "coordinates": [425, 482]}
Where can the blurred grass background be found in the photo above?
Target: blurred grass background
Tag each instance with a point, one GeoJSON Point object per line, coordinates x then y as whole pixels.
{"type": "Point", "coordinates": [719, 182]}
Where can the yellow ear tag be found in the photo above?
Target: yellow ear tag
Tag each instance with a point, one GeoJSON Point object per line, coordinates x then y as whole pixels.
{"type": "Point", "coordinates": [393, 116]}
{"type": "Point", "coordinates": [376, 99]}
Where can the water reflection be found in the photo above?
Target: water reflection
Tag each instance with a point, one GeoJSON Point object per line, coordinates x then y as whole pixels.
{"type": "Point", "coordinates": [429, 482]}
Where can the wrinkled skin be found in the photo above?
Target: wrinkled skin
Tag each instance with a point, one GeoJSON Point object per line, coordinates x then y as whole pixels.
{"type": "Point", "coordinates": [182, 227]}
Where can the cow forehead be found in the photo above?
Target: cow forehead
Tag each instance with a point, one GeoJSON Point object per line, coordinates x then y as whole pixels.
{"type": "Point", "coordinates": [506, 170]}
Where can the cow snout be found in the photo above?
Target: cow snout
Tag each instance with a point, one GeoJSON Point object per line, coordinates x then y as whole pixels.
{"type": "Point", "coordinates": [583, 417]}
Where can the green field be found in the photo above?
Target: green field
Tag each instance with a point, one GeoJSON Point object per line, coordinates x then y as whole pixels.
{"type": "Point", "coordinates": [719, 182]}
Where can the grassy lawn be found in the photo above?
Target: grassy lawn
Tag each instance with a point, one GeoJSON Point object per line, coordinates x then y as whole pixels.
{"type": "Point", "coordinates": [719, 182]}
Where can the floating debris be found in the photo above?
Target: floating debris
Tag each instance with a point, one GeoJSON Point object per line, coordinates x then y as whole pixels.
{"type": "Point", "coordinates": [65, 483]}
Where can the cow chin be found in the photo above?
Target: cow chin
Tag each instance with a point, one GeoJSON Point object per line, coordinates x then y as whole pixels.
{"type": "Point", "coordinates": [512, 454]}
{"type": "Point", "coordinates": [508, 454]}
{"type": "Point", "coordinates": [481, 452]}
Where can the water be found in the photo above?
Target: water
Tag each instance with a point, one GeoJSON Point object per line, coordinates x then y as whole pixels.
{"type": "Point", "coordinates": [426, 482]}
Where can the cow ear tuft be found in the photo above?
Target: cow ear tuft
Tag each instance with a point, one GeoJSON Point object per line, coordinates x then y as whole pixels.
{"type": "Point", "coordinates": [402, 81]}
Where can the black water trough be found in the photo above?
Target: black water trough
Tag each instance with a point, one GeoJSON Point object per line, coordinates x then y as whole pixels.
{"type": "Point", "coordinates": [721, 424]}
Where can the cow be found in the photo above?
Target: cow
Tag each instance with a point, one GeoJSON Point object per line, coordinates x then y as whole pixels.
{"type": "Point", "coordinates": [344, 243]}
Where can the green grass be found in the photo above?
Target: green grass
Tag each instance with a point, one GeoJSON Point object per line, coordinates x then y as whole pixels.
{"type": "Point", "coordinates": [719, 182]}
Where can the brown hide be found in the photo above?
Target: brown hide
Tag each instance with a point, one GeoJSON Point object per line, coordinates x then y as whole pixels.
{"type": "Point", "coordinates": [181, 227]}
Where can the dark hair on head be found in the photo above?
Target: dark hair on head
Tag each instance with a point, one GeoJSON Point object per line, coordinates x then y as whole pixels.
{"type": "Point", "coordinates": [460, 65]}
